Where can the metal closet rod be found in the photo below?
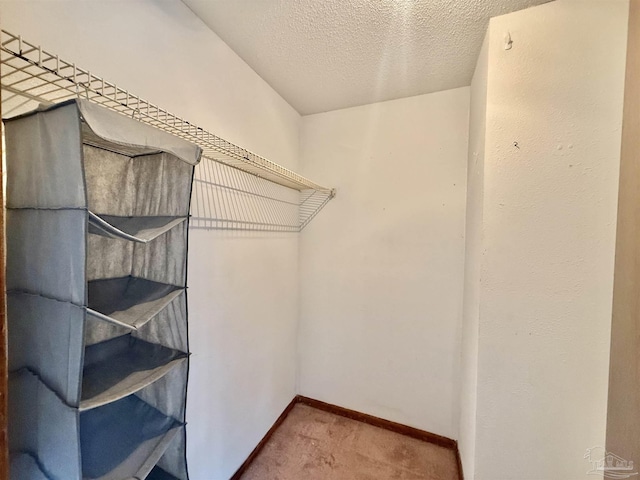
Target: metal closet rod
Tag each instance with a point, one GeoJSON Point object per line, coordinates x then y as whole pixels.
{"type": "Point", "coordinates": [55, 80]}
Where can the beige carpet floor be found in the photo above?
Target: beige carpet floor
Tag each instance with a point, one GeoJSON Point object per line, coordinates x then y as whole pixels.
{"type": "Point", "coordinates": [315, 445]}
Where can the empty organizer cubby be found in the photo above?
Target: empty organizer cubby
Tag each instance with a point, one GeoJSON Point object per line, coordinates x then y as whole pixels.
{"type": "Point", "coordinates": [97, 231]}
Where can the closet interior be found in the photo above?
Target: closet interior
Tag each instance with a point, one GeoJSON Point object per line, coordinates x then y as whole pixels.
{"type": "Point", "coordinates": [464, 274]}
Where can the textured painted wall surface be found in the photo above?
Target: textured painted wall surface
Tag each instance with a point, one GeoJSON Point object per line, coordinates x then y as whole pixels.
{"type": "Point", "coordinates": [623, 417]}
{"type": "Point", "coordinates": [473, 260]}
{"type": "Point", "coordinates": [382, 265]}
{"type": "Point", "coordinates": [243, 288]}
{"type": "Point", "coordinates": [548, 237]}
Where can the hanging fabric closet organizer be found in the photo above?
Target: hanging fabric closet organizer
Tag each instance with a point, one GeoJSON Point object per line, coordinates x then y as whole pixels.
{"type": "Point", "coordinates": [97, 227]}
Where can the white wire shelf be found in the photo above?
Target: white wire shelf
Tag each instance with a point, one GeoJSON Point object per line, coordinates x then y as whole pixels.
{"type": "Point", "coordinates": [234, 188]}
{"type": "Point", "coordinates": [226, 198]}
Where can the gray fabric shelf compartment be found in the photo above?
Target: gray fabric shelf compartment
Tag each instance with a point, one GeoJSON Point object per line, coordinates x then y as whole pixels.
{"type": "Point", "coordinates": [158, 474]}
{"type": "Point", "coordinates": [124, 439]}
{"type": "Point", "coordinates": [97, 229]}
{"type": "Point", "coordinates": [135, 229]}
{"type": "Point", "coordinates": [23, 465]}
{"type": "Point", "coordinates": [122, 366]}
{"type": "Point", "coordinates": [128, 301]}
{"type": "Point", "coordinates": [43, 426]}
{"type": "Point", "coordinates": [43, 327]}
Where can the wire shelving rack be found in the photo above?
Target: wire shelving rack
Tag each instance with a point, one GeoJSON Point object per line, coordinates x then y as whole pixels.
{"type": "Point", "coordinates": [234, 189]}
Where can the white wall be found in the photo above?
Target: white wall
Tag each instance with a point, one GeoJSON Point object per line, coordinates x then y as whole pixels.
{"type": "Point", "coordinates": [548, 238]}
{"type": "Point", "coordinates": [382, 265]}
{"type": "Point", "coordinates": [473, 258]}
{"type": "Point", "coordinates": [243, 295]}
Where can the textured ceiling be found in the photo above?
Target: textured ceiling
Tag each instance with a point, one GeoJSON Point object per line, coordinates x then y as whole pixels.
{"type": "Point", "coordinates": [323, 55]}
